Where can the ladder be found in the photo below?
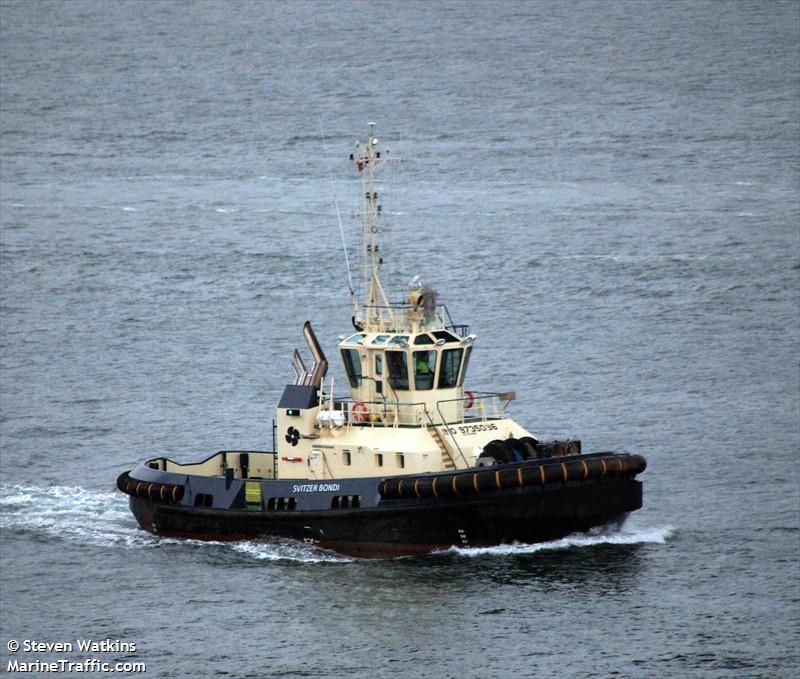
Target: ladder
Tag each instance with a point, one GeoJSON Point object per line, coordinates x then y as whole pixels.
{"type": "Point", "coordinates": [447, 459]}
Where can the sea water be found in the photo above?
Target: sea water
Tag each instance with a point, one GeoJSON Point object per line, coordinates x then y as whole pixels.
{"type": "Point", "coordinates": [606, 192]}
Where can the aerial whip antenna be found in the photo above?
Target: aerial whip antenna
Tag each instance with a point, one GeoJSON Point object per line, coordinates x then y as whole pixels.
{"type": "Point", "coordinates": [339, 219]}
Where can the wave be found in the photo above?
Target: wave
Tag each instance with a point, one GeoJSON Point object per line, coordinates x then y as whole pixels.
{"type": "Point", "coordinates": [102, 519]}
{"type": "Point", "coordinates": [287, 550]}
{"type": "Point", "coordinates": [69, 512]}
{"type": "Point", "coordinates": [578, 540]}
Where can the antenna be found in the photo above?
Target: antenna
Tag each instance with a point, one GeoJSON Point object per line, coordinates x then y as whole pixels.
{"type": "Point", "coordinates": [339, 219]}
{"type": "Point", "coordinates": [367, 158]}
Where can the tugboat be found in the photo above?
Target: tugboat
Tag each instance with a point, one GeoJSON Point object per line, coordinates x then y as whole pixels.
{"type": "Point", "coordinates": [408, 462]}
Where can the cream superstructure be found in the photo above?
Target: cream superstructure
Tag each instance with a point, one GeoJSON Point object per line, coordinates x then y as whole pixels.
{"type": "Point", "coordinates": [407, 410]}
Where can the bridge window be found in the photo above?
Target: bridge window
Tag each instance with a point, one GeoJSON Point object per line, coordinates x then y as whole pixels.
{"type": "Point", "coordinates": [397, 363]}
{"type": "Point", "coordinates": [379, 459]}
{"type": "Point", "coordinates": [465, 366]}
{"type": "Point", "coordinates": [424, 339]}
{"type": "Point", "coordinates": [446, 336]}
{"type": "Point", "coordinates": [424, 367]}
{"type": "Point", "coordinates": [448, 373]}
{"type": "Point", "coordinates": [379, 373]}
{"type": "Point", "coordinates": [352, 365]}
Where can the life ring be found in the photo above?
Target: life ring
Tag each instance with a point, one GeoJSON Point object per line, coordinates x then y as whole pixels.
{"type": "Point", "coordinates": [470, 399]}
{"type": "Point", "coordinates": [360, 411]}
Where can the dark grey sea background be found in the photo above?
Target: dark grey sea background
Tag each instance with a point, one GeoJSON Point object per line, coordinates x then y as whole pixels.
{"type": "Point", "coordinates": [608, 192]}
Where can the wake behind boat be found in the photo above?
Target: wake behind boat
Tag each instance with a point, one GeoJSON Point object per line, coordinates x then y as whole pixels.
{"type": "Point", "coordinates": [408, 462]}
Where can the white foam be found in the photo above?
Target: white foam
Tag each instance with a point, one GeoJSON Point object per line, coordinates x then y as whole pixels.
{"type": "Point", "coordinates": [102, 518]}
{"type": "Point", "coordinates": [287, 550]}
{"type": "Point", "coordinates": [71, 513]}
{"type": "Point", "coordinates": [578, 540]}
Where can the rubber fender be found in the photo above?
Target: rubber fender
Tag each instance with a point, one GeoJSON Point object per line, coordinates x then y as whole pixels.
{"type": "Point", "coordinates": [445, 485]}
{"type": "Point", "coordinates": [595, 467]}
{"type": "Point", "coordinates": [516, 450]}
{"type": "Point", "coordinates": [575, 470]}
{"type": "Point", "coordinates": [498, 450]}
{"type": "Point", "coordinates": [511, 478]}
{"type": "Point", "coordinates": [465, 484]}
{"type": "Point", "coordinates": [626, 465]}
{"type": "Point", "coordinates": [615, 465]}
{"type": "Point", "coordinates": [551, 473]}
{"type": "Point", "coordinates": [531, 475]}
{"type": "Point", "coordinates": [422, 487]}
{"type": "Point", "coordinates": [387, 488]}
{"type": "Point", "coordinates": [123, 480]}
{"type": "Point", "coordinates": [398, 488]}
{"type": "Point", "coordinates": [405, 488]}
{"type": "Point", "coordinates": [528, 444]}
{"type": "Point", "coordinates": [163, 492]}
{"type": "Point", "coordinates": [633, 464]}
{"type": "Point", "coordinates": [639, 464]}
{"type": "Point", "coordinates": [486, 480]}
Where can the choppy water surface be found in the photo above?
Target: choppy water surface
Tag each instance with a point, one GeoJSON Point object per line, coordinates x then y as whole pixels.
{"type": "Point", "coordinates": [607, 193]}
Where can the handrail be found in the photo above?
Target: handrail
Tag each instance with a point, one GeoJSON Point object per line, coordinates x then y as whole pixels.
{"type": "Point", "coordinates": [450, 434]}
{"type": "Point", "coordinates": [480, 394]}
{"type": "Point", "coordinates": [443, 313]}
{"type": "Point", "coordinates": [387, 406]}
{"type": "Point", "coordinates": [461, 329]}
{"type": "Point", "coordinates": [169, 465]}
{"type": "Point", "coordinates": [344, 404]}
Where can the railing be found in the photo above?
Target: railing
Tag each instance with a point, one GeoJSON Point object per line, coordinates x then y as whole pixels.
{"type": "Point", "coordinates": [452, 438]}
{"type": "Point", "coordinates": [483, 406]}
{"type": "Point", "coordinates": [397, 324]}
{"type": "Point", "coordinates": [381, 413]}
{"type": "Point", "coordinates": [460, 329]}
{"type": "Point", "coordinates": [236, 463]}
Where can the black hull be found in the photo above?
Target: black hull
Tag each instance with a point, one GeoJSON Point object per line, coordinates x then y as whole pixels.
{"type": "Point", "coordinates": [404, 527]}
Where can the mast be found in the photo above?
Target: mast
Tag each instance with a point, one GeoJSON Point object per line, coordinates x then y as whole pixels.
{"type": "Point", "coordinates": [367, 159]}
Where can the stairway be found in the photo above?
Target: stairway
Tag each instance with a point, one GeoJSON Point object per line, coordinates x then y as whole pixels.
{"type": "Point", "coordinates": [447, 460]}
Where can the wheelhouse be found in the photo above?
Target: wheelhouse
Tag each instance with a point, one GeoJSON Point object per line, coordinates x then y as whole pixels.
{"type": "Point", "coordinates": [391, 365]}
